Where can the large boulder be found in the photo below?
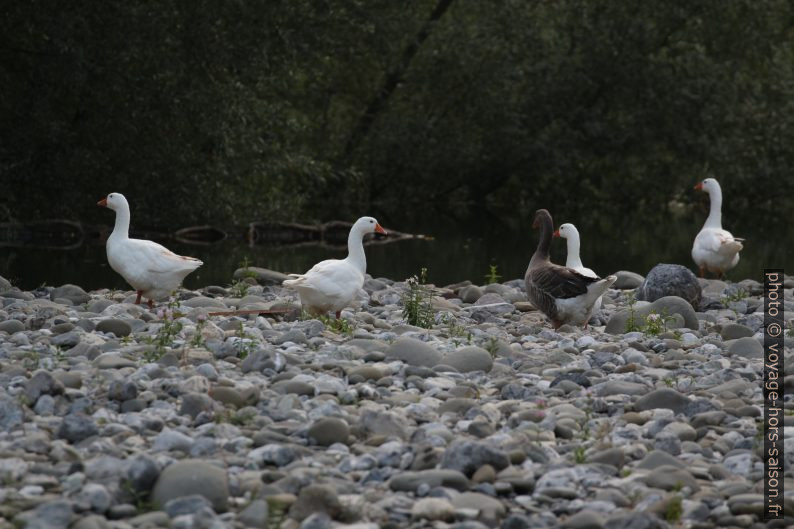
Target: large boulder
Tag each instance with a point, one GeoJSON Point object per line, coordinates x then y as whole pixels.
{"type": "Point", "coordinates": [670, 280]}
{"type": "Point", "coordinates": [668, 306]}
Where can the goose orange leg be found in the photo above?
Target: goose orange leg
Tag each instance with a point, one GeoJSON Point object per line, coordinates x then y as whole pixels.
{"type": "Point", "coordinates": [138, 299]}
{"type": "Point", "coordinates": [702, 272]}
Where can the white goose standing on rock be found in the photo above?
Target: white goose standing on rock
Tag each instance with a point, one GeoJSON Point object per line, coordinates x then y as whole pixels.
{"type": "Point", "coordinates": [715, 250]}
{"type": "Point", "coordinates": [561, 293]}
{"type": "Point", "coordinates": [569, 232]}
{"type": "Point", "coordinates": [332, 284]}
{"type": "Point", "coordinates": [151, 269]}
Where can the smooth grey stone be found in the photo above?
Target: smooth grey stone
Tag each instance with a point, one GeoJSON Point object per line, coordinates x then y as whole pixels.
{"type": "Point", "coordinates": [328, 431]}
{"type": "Point", "coordinates": [314, 499]}
{"type": "Point", "coordinates": [635, 520]}
{"type": "Point", "coordinates": [470, 294]}
{"type": "Point", "coordinates": [11, 413]}
{"type": "Point", "coordinates": [383, 423]}
{"type": "Point", "coordinates": [410, 481]}
{"type": "Point", "coordinates": [62, 328]}
{"type": "Point", "coordinates": [732, 331]}
{"type": "Point", "coordinates": [192, 476]}
{"type": "Point", "coordinates": [112, 361]}
{"type": "Point", "coordinates": [627, 280]}
{"type": "Point", "coordinates": [296, 387]}
{"type": "Point", "coordinates": [42, 383]}
{"type": "Point", "coordinates": [255, 514]}
{"type": "Point", "coordinates": [76, 427]}
{"type": "Point", "coordinates": [186, 505]}
{"type": "Point", "coordinates": [195, 403]}
{"type": "Point", "coordinates": [118, 327]}
{"type": "Point", "coordinates": [610, 456]}
{"type": "Point", "coordinates": [670, 280]}
{"type": "Point", "coordinates": [73, 293]}
{"type": "Point", "coordinates": [747, 504]}
{"type": "Point", "coordinates": [293, 336]}
{"type": "Point", "coordinates": [471, 358]}
{"type": "Point", "coordinates": [584, 520]}
{"type": "Point", "coordinates": [490, 510]}
{"type": "Point", "coordinates": [657, 458]}
{"type": "Point", "coordinates": [621, 387]}
{"type": "Point", "coordinates": [413, 352]}
{"type": "Point", "coordinates": [92, 521]}
{"type": "Point", "coordinates": [55, 514]}
{"type": "Point", "coordinates": [662, 398]}
{"type": "Point", "coordinates": [142, 473]}
{"type": "Point", "coordinates": [12, 326]}
{"type": "Point", "coordinates": [122, 390]}
{"type": "Point", "coordinates": [202, 301]}
{"type": "Point", "coordinates": [68, 339]}
{"type": "Point", "coordinates": [669, 305]}
{"type": "Point", "coordinates": [467, 456]}
{"type": "Point", "coordinates": [746, 347]}
{"type": "Point", "coordinates": [99, 305]}
{"type": "Point", "coordinates": [263, 276]}
{"type": "Point", "coordinates": [669, 477]}
{"type": "Point", "coordinates": [97, 496]}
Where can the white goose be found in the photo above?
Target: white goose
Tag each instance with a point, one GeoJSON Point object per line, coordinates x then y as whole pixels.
{"type": "Point", "coordinates": [715, 250]}
{"type": "Point", "coordinates": [331, 284]}
{"type": "Point", "coordinates": [569, 232]}
{"type": "Point", "coordinates": [151, 269]}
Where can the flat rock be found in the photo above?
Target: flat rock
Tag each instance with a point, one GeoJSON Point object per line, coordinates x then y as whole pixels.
{"type": "Point", "coordinates": [118, 327]}
{"type": "Point", "coordinates": [203, 301]}
{"type": "Point", "coordinates": [413, 352]}
{"type": "Point", "coordinates": [73, 293]}
{"type": "Point", "coordinates": [313, 499]}
{"type": "Point", "coordinates": [410, 481]}
{"type": "Point", "coordinates": [662, 398]}
{"type": "Point", "coordinates": [11, 326]}
{"type": "Point", "coordinates": [732, 331]}
{"type": "Point", "coordinates": [329, 430]}
{"type": "Point", "coordinates": [746, 347]}
{"type": "Point", "coordinates": [112, 361]}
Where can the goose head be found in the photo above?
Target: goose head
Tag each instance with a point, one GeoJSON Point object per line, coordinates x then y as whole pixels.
{"type": "Point", "coordinates": [541, 217]}
{"type": "Point", "coordinates": [567, 231]}
{"type": "Point", "coordinates": [114, 201]}
{"type": "Point", "coordinates": [709, 185]}
{"type": "Point", "coordinates": [366, 225]}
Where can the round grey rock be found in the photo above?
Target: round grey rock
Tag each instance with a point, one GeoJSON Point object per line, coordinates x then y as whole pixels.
{"type": "Point", "coordinates": [193, 476]}
{"type": "Point", "coordinates": [314, 499]}
{"type": "Point", "coordinates": [627, 280]}
{"type": "Point", "coordinates": [670, 280]}
{"type": "Point", "coordinates": [746, 347]}
{"type": "Point", "coordinates": [11, 326]}
{"type": "Point", "coordinates": [76, 427]}
{"type": "Point", "coordinates": [732, 331]}
{"type": "Point", "coordinates": [471, 358]}
{"type": "Point", "coordinates": [118, 327]}
{"type": "Point", "coordinates": [328, 431]}
{"type": "Point", "coordinates": [662, 398]}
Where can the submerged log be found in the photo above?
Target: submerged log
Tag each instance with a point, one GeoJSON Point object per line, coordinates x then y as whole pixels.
{"type": "Point", "coordinates": [200, 235]}
{"type": "Point", "coordinates": [46, 234]}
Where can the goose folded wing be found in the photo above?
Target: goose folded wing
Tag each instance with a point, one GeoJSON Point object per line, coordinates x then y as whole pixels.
{"type": "Point", "coordinates": [561, 282]}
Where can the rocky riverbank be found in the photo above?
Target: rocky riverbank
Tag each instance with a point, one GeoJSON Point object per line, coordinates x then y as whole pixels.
{"type": "Point", "coordinates": [114, 416]}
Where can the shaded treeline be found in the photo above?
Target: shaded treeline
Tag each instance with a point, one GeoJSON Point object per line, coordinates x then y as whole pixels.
{"type": "Point", "coordinates": [204, 111]}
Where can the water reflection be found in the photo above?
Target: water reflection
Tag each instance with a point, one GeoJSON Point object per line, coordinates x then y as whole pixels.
{"type": "Point", "coordinates": [462, 248]}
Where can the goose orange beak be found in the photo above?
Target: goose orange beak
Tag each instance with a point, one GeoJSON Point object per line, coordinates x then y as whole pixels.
{"type": "Point", "coordinates": [556, 233]}
{"type": "Point", "coordinates": [103, 202]}
{"type": "Point", "coordinates": [379, 229]}
{"type": "Point", "coordinates": [699, 186]}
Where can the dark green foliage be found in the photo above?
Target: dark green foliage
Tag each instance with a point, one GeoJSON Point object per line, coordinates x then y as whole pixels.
{"type": "Point", "coordinates": [227, 112]}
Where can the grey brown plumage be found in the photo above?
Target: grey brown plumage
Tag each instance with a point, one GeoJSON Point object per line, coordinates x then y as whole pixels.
{"type": "Point", "coordinates": [561, 293]}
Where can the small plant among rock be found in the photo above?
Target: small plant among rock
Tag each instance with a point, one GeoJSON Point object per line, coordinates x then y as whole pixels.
{"type": "Point", "coordinates": [337, 326]}
{"type": "Point", "coordinates": [653, 324]}
{"type": "Point", "coordinates": [167, 332]}
{"type": "Point", "coordinates": [491, 345]}
{"type": "Point", "coordinates": [492, 276]}
{"type": "Point", "coordinates": [631, 321]}
{"type": "Point", "coordinates": [739, 295]}
{"type": "Point", "coordinates": [198, 340]}
{"type": "Point", "coordinates": [579, 455]}
{"type": "Point", "coordinates": [790, 330]}
{"type": "Point", "coordinates": [245, 343]}
{"type": "Point", "coordinates": [417, 301]}
{"type": "Point", "coordinates": [455, 330]}
{"type": "Point", "coordinates": [674, 509]}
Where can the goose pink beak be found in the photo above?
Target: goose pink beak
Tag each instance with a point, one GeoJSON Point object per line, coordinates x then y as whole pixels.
{"type": "Point", "coordinates": [556, 233]}
{"type": "Point", "coordinates": [379, 229]}
{"type": "Point", "coordinates": [103, 202]}
{"type": "Point", "coordinates": [699, 186]}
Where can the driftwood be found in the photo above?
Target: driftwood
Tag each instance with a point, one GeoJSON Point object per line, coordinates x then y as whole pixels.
{"type": "Point", "coordinates": [249, 311]}
{"type": "Point", "coordinates": [200, 235]}
{"type": "Point", "coordinates": [47, 234]}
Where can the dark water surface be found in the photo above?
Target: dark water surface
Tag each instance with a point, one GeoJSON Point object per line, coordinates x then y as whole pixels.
{"type": "Point", "coordinates": [461, 248]}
